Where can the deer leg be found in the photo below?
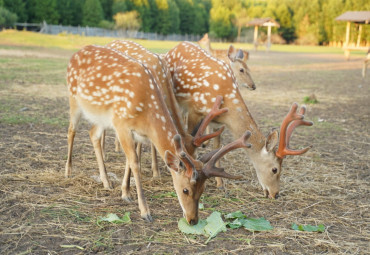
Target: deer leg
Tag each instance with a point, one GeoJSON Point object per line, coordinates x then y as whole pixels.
{"type": "Point", "coordinates": [75, 115]}
{"type": "Point", "coordinates": [95, 137]}
{"type": "Point", "coordinates": [102, 144]}
{"type": "Point", "coordinates": [216, 145]}
{"type": "Point", "coordinates": [117, 145]}
{"type": "Point", "coordinates": [155, 170]}
{"type": "Point", "coordinates": [126, 183]}
{"type": "Point", "coordinates": [128, 145]}
{"type": "Point", "coordinates": [139, 146]}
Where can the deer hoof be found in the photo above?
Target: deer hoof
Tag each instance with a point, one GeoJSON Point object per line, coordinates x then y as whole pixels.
{"type": "Point", "coordinates": [147, 217]}
{"type": "Point", "coordinates": [127, 199]}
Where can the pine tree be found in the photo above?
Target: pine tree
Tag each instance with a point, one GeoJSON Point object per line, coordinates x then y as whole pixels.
{"type": "Point", "coordinates": [92, 13]}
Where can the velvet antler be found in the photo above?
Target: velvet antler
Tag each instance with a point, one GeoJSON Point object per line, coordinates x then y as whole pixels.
{"type": "Point", "coordinates": [199, 138]}
{"type": "Point", "coordinates": [210, 170]}
{"type": "Point", "coordinates": [184, 157]}
{"type": "Point", "coordinates": [290, 122]}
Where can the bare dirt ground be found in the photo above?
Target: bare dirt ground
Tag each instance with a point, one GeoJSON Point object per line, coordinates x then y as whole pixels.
{"type": "Point", "coordinates": [41, 212]}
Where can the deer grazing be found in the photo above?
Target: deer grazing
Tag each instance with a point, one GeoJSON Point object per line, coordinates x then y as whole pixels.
{"type": "Point", "coordinates": [236, 58]}
{"type": "Point", "coordinates": [159, 67]}
{"type": "Point", "coordinates": [198, 77]}
{"type": "Point", "coordinates": [113, 90]}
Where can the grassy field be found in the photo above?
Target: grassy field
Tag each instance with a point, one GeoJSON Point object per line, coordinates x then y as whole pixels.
{"type": "Point", "coordinates": [41, 212]}
{"type": "Point", "coordinates": [75, 42]}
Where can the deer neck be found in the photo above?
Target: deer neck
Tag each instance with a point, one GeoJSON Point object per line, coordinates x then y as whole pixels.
{"type": "Point", "coordinates": [238, 119]}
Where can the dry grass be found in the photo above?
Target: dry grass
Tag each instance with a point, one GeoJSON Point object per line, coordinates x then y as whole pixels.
{"type": "Point", "coordinates": [42, 212]}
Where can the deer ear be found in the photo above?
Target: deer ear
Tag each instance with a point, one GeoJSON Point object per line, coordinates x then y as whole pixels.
{"type": "Point", "coordinates": [231, 53]}
{"type": "Point", "coordinates": [171, 161]}
{"type": "Point", "coordinates": [272, 140]}
{"type": "Point", "coordinates": [246, 55]}
{"type": "Point", "coordinates": [240, 54]}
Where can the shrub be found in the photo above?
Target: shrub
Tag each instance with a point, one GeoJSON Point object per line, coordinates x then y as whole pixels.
{"type": "Point", "coordinates": [7, 18]}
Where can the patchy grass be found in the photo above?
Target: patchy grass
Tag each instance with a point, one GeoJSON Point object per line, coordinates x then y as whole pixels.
{"type": "Point", "coordinates": [43, 212]}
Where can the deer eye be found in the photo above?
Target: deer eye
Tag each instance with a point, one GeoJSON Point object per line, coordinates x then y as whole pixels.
{"type": "Point", "coordinates": [274, 170]}
{"type": "Point", "coordinates": [186, 191]}
{"type": "Point", "coordinates": [181, 164]}
{"type": "Point", "coordinates": [241, 70]}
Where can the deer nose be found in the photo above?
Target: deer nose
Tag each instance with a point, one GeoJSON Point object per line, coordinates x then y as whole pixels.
{"type": "Point", "coordinates": [193, 222]}
{"type": "Point", "coordinates": [253, 86]}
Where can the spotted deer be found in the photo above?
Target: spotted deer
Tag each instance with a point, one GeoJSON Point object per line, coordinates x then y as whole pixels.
{"type": "Point", "coordinates": [159, 67]}
{"type": "Point", "coordinates": [113, 90]}
{"type": "Point", "coordinates": [198, 77]}
{"type": "Point", "coordinates": [237, 60]}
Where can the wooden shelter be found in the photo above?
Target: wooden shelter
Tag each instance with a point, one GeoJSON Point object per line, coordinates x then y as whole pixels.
{"type": "Point", "coordinates": [265, 22]}
{"type": "Point", "coordinates": [357, 17]}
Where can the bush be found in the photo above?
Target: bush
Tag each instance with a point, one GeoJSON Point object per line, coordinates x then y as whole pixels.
{"type": "Point", "coordinates": [7, 18]}
{"type": "Point", "coordinates": [106, 24]}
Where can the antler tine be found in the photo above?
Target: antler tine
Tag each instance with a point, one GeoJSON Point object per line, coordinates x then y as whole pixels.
{"type": "Point", "coordinates": [210, 170]}
{"type": "Point", "coordinates": [199, 138]}
{"type": "Point", "coordinates": [290, 122]}
{"type": "Point", "coordinates": [191, 172]}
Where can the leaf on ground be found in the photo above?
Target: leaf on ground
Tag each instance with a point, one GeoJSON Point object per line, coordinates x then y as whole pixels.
{"type": "Point", "coordinates": [235, 215]}
{"type": "Point", "coordinates": [237, 223]}
{"type": "Point", "coordinates": [195, 229]}
{"type": "Point", "coordinates": [308, 228]}
{"type": "Point", "coordinates": [253, 224]}
{"type": "Point", "coordinates": [71, 246]}
{"type": "Point", "coordinates": [113, 218]}
{"type": "Point", "coordinates": [215, 225]}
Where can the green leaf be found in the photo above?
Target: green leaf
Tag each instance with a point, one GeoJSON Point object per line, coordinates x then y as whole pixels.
{"type": "Point", "coordinates": [215, 225]}
{"type": "Point", "coordinates": [71, 246]}
{"type": "Point", "coordinates": [308, 228]}
{"type": "Point", "coordinates": [260, 224]}
{"type": "Point", "coordinates": [235, 215]}
{"type": "Point", "coordinates": [195, 229]}
{"type": "Point", "coordinates": [113, 218]}
{"type": "Point", "coordinates": [237, 223]}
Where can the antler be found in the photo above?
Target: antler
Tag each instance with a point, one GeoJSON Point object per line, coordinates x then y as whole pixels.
{"type": "Point", "coordinates": [192, 174]}
{"type": "Point", "coordinates": [290, 122]}
{"type": "Point", "coordinates": [199, 138]}
{"type": "Point", "coordinates": [210, 170]}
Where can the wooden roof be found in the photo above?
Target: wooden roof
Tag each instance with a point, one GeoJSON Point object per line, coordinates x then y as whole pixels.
{"type": "Point", "coordinates": [362, 17]}
{"type": "Point", "coordinates": [263, 22]}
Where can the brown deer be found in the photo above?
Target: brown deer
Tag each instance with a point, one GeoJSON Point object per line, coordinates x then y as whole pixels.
{"type": "Point", "coordinates": [113, 90]}
{"type": "Point", "coordinates": [236, 58]}
{"type": "Point", "coordinates": [198, 77]}
{"type": "Point", "coordinates": [159, 67]}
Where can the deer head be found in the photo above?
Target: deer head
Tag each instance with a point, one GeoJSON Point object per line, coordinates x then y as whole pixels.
{"type": "Point", "coordinates": [189, 175]}
{"type": "Point", "coordinates": [238, 62]}
{"type": "Point", "coordinates": [268, 164]}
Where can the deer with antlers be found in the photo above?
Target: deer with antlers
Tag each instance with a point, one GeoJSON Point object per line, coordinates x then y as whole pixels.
{"type": "Point", "coordinates": [159, 67]}
{"type": "Point", "coordinates": [198, 77]}
{"type": "Point", "coordinates": [113, 90]}
{"type": "Point", "coordinates": [237, 60]}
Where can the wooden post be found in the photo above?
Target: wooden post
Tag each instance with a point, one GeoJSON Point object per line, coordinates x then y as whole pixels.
{"type": "Point", "coordinates": [346, 45]}
{"type": "Point", "coordinates": [359, 35]}
{"type": "Point", "coordinates": [347, 34]}
{"type": "Point", "coordinates": [268, 37]}
{"type": "Point", "coordinates": [255, 40]}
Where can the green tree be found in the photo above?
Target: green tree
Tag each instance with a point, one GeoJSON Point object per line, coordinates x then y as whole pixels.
{"type": "Point", "coordinates": [187, 16]}
{"type": "Point", "coordinates": [7, 18]}
{"type": "Point", "coordinates": [107, 9]}
{"type": "Point", "coordinates": [18, 7]}
{"type": "Point", "coordinates": [220, 23]}
{"type": "Point", "coordinates": [45, 10]}
{"type": "Point", "coordinates": [92, 13]}
{"type": "Point", "coordinates": [119, 6]}
{"type": "Point", "coordinates": [167, 13]}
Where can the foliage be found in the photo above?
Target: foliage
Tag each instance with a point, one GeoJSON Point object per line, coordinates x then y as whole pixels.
{"type": "Point", "coordinates": [18, 7]}
{"type": "Point", "coordinates": [308, 228]}
{"type": "Point", "coordinates": [128, 20]}
{"type": "Point", "coordinates": [209, 227]}
{"type": "Point", "coordinates": [92, 13]}
{"type": "Point", "coordinates": [7, 18]}
{"type": "Point", "coordinates": [251, 224]}
{"type": "Point", "coordinates": [113, 218]}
